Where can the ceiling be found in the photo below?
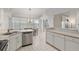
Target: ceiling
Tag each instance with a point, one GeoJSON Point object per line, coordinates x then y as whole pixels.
{"type": "Point", "coordinates": [37, 12]}
{"type": "Point", "coordinates": [26, 12]}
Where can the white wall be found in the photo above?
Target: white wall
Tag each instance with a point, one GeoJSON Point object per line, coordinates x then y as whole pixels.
{"type": "Point", "coordinates": [71, 16]}
{"type": "Point", "coordinates": [4, 20]}
{"type": "Point", "coordinates": [20, 23]}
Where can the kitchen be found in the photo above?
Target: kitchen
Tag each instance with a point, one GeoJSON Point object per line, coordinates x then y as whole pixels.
{"type": "Point", "coordinates": [39, 29]}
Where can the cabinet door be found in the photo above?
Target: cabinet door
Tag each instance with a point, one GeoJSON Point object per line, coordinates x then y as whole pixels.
{"type": "Point", "coordinates": [19, 40]}
{"type": "Point", "coordinates": [12, 44]}
{"type": "Point", "coordinates": [59, 41]}
{"type": "Point", "coordinates": [15, 41]}
{"type": "Point", "coordinates": [50, 38]}
{"type": "Point", "coordinates": [71, 45]}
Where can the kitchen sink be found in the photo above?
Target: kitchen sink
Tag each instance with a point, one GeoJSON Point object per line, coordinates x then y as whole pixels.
{"type": "Point", "coordinates": [7, 33]}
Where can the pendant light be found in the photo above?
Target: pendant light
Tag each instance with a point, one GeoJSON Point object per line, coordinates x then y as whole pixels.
{"type": "Point", "coordinates": [29, 15]}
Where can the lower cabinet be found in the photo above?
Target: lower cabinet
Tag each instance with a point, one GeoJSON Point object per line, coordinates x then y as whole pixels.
{"type": "Point", "coordinates": [63, 42]}
{"type": "Point", "coordinates": [19, 40]}
{"type": "Point", "coordinates": [71, 44]}
{"type": "Point", "coordinates": [59, 41]}
{"type": "Point", "coordinates": [15, 41]}
{"type": "Point", "coordinates": [50, 38]}
{"type": "Point", "coordinates": [12, 43]}
{"type": "Point", "coordinates": [56, 40]}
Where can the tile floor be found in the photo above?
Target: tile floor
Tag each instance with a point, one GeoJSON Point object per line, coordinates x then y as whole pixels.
{"type": "Point", "coordinates": [39, 44]}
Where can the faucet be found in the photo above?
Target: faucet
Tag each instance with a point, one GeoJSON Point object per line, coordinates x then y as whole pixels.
{"type": "Point", "coordinates": [9, 30]}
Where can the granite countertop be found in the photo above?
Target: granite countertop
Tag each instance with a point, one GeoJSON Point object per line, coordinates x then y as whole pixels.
{"type": "Point", "coordinates": [65, 32]}
{"type": "Point", "coordinates": [16, 31]}
{"type": "Point", "coordinates": [12, 32]}
{"type": "Point", "coordinates": [27, 30]}
{"type": "Point", "coordinates": [7, 35]}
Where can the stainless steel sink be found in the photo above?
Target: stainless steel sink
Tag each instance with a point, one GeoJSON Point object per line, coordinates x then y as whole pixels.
{"type": "Point", "coordinates": [7, 33]}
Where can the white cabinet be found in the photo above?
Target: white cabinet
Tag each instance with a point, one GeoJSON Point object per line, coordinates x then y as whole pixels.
{"type": "Point", "coordinates": [50, 38]}
{"type": "Point", "coordinates": [71, 44]}
{"type": "Point", "coordinates": [59, 41]}
{"type": "Point", "coordinates": [56, 40]}
{"type": "Point", "coordinates": [18, 40]}
{"type": "Point", "coordinates": [15, 42]}
{"type": "Point", "coordinates": [12, 43]}
{"type": "Point", "coordinates": [63, 42]}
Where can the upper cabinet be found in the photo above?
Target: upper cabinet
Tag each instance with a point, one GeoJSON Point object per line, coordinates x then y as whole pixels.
{"type": "Point", "coordinates": [57, 21]}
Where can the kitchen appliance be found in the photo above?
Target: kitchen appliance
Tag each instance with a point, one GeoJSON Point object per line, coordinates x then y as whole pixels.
{"type": "Point", "coordinates": [3, 45]}
{"type": "Point", "coordinates": [27, 38]}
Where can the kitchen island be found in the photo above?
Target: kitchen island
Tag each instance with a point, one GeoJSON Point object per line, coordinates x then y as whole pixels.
{"type": "Point", "coordinates": [27, 37]}
{"type": "Point", "coordinates": [15, 38]}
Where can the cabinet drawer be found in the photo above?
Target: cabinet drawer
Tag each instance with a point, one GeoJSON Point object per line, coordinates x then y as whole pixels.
{"type": "Point", "coordinates": [76, 40]}
{"type": "Point", "coordinates": [59, 41]}
{"type": "Point", "coordinates": [59, 35]}
{"type": "Point", "coordinates": [71, 45]}
{"type": "Point", "coordinates": [68, 38]}
{"type": "Point", "coordinates": [72, 39]}
{"type": "Point", "coordinates": [50, 38]}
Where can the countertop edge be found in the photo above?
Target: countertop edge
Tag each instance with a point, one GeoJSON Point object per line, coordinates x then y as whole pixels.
{"type": "Point", "coordinates": [64, 33]}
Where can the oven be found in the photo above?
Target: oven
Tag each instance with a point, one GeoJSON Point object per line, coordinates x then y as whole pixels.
{"type": "Point", "coordinates": [3, 45]}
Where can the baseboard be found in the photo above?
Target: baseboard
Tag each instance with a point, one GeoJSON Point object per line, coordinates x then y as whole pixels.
{"type": "Point", "coordinates": [26, 45]}
{"type": "Point", "coordinates": [53, 46]}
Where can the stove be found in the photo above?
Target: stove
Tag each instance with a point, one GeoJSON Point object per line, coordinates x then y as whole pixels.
{"type": "Point", "coordinates": [3, 45]}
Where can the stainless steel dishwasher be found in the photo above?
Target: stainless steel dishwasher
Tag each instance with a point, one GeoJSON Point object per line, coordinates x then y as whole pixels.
{"type": "Point", "coordinates": [27, 38]}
